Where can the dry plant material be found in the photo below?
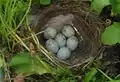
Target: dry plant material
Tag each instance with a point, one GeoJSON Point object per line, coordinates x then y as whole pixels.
{"type": "Point", "coordinates": [19, 78]}
{"type": "Point", "coordinates": [32, 48]}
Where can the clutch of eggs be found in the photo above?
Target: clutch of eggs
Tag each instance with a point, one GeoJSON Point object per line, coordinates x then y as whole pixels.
{"type": "Point", "coordinates": [62, 43]}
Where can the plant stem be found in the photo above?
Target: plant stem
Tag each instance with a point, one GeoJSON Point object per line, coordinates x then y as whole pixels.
{"type": "Point", "coordinates": [105, 74]}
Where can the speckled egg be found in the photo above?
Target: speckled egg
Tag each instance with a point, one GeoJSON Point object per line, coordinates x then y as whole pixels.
{"type": "Point", "coordinates": [52, 45]}
{"type": "Point", "coordinates": [68, 31]}
{"type": "Point", "coordinates": [63, 53]}
{"type": "Point", "coordinates": [50, 33]}
{"type": "Point", "coordinates": [72, 43]}
{"type": "Point", "coordinates": [60, 39]}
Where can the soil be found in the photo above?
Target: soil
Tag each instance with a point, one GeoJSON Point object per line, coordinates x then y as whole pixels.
{"type": "Point", "coordinates": [111, 60]}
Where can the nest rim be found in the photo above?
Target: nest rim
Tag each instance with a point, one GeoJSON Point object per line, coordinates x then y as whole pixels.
{"type": "Point", "coordinates": [83, 14]}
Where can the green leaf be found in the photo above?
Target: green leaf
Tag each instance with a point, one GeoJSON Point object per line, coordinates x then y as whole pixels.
{"type": "Point", "coordinates": [98, 5]}
{"type": "Point", "coordinates": [72, 80]}
{"type": "Point", "coordinates": [40, 66]}
{"type": "Point", "coordinates": [89, 76]}
{"type": "Point", "coordinates": [45, 2]}
{"type": "Point", "coordinates": [1, 61]}
{"type": "Point", "coordinates": [25, 69]}
{"type": "Point", "coordinates": [23, 63]}
{"type": "Point", "coordinates": [111, 35]}
{"type": "Point", "coordinates": [115, 6]}
{"type": "Point", "coordinates": [63, 71]}
{"type": "Point", "coordinates": [20, 58]}
{"type": "Point", "coordinates": [115, 81]}
{"type": "Point", "coordinates": [118, 1]}
{"type": "Point", "coordinates": [2, 75]}
{"type": "Point", "coordinates": [117, 77]}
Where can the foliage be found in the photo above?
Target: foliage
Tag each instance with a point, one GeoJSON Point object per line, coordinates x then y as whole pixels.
{"type": "Point", "coordinates": [98, 5]}
{"type": "Point", "coordinates": [96, 75]}
{"type": "Point", "coordinates": [2, 75]}
{"type": "Point", "coordinates": [20, 58]}
{"type": "Point", "coordinates": [111, 35]}
{"type": "Point", "coordinates": [45, 2]}
{"type": "Point", "coordinates": [10, 10]}
{"type": "Point", "coordinates": [64, 75]}
{"type": "Point", "coordinates": [13, 13]}
{"type": "Point", "coordinates": [89, 76]}
{"type": "Point", "coordinates": [1, 61]}
{"type": "Point", "coordinates": [25, 64]}
{"type": "Point", "coordinates": [115, 6]}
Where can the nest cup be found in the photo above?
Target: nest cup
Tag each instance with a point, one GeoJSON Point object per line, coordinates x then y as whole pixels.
{"type": "Point", "coordinates": [87, 28]}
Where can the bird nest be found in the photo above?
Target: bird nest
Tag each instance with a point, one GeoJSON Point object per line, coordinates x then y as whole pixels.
{"type": "Point", "coordinates": [86, 25]}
